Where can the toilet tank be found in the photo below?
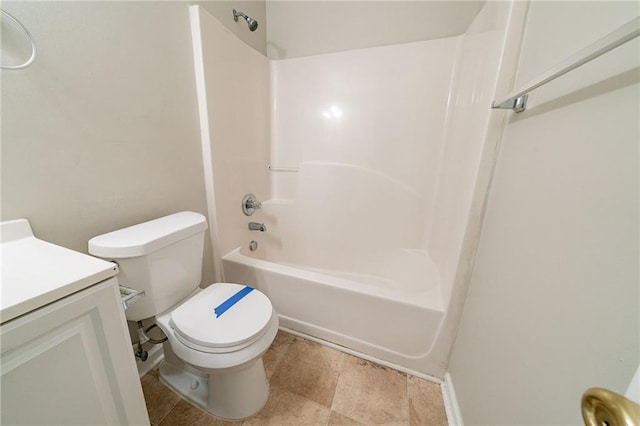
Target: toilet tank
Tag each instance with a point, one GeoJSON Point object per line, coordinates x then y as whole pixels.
{"type": "Point", "coordinates": [163, 257]}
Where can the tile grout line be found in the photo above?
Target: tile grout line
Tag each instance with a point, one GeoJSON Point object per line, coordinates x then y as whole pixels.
{"type": "Point", "coordinates": [172, 408]}
{"type": "Point", "coordinates": [333, 396]}
{"type": "Point", "coordinates": [335, 388]}
{"type": "Point", "coordinates": [408, 402]}
{"type": "Point", "coordinates": [303, 397]}
{"type": "Point", "coordinates": [174, 405]}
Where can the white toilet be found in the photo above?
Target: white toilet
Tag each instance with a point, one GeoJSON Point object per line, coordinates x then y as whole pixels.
{"type": "Point", "coordinates": [216, 336]}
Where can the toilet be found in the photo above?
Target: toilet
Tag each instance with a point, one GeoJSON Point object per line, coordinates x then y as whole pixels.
{"type": "Point", "coordinates": [216, 336]}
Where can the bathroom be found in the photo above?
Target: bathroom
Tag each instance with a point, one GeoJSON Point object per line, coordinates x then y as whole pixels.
{"type": "Point", "coordinates": [104, 130]}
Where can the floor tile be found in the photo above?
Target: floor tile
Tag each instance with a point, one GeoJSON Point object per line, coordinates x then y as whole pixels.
{"type": "Point", "coordinates": [426, 406]}
{"type": "Point", "coordinates": [310, 370]}
{"type": "Point", "coordinates": [313, 384]}
{"type": "Point", "coordinates": [159, 399]}
{"type": "Point", "coordinates": [276, 352]}
{"type": "Point", "coordinates": [337, 419]}
{"type": "Point", "coordinates": [371, 394]}
{"type": "Point", "coordinates": [286, 408]}
{"type": "Point", "coordinates": [185, 414]}
{"type": "Point", "coordinates": [315, 353]}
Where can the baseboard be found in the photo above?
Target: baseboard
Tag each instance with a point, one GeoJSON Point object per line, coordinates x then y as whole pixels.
{"type": "Point", "coordinates": [156, 355]}
{"type": "Point", "coordinates": [454, 416]}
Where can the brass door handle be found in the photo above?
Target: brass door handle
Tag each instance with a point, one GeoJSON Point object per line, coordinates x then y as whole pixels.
{"type": "Point", "coordinates": [601, 407]}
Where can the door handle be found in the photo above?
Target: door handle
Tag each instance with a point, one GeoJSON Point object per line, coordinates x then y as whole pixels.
{"type": "Point", "coordinates": [602, 407]}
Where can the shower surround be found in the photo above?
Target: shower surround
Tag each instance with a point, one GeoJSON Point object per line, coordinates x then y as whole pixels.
{"type": "Point", "coordinates": [375, 158]}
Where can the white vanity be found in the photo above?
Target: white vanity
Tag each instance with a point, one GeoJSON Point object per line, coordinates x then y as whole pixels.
{"type": "Point", "coordinates": [66, 356]}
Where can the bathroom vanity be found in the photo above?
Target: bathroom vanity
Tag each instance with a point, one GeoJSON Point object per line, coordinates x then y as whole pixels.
{"type": "Point", "coordinates": [66, 355]}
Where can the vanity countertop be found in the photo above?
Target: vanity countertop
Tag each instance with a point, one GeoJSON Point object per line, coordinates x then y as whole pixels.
{"type": "Point", "coordinates": [35, 272]}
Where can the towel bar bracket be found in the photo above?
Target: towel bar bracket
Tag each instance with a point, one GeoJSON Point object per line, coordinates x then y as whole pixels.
{"type": "Point", "coordinates": [517, 100]}
{"type": "Point", "coordinates": [518, 104]}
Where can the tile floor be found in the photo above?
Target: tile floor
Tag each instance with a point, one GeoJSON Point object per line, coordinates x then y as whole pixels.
{"type": "Point", "coordinates": [312, 384]}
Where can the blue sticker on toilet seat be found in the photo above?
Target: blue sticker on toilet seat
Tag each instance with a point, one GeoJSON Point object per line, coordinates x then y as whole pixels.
{"type": "Point", "coordinates": [224, 306]}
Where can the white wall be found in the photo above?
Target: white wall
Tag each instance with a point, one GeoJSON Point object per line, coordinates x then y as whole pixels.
{"type": "Point", "coordinates": [305, 28]}
{"type": "Point", "coordinates": [477, 65]}
{"type": "Point", "coordinates": [554, 297]}
{"type": "Point", "coordinates": [234, 97]}
{"type": "Point", "coordinates": [365, 128]}
{"type": "Point", "coordinates": [391, 103]}
{"type": "Point", "coordinates": [101, 132]}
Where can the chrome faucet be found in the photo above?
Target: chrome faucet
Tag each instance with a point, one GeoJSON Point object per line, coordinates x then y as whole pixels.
{"type": "Point", "coordinates": [255, 226]}
{"type": "Point", "coordinates": [249, 204]}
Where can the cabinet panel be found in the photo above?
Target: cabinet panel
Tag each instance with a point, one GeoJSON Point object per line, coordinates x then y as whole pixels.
{"type": "Point", "coordinates": [71, 363]}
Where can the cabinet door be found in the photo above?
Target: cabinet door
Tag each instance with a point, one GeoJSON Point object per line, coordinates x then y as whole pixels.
{"type": "Point", "coordinates": [70, 363]}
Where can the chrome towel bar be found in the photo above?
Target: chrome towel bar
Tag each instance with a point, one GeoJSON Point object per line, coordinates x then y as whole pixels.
{"type": "Point", "coordinates": [517, 99]}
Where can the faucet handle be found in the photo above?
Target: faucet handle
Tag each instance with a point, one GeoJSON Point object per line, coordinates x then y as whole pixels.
{"type": "Point", "coordinates": [249, 204]}
{"type": "Point", "coordinates": [252, 204]}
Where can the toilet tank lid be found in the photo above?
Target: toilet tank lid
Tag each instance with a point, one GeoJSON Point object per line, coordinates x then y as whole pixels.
{"type": "Point", "coordinates": [147, 237]}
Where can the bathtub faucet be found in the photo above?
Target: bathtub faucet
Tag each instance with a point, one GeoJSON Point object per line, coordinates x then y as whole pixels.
{"type": "Point", "coordinates": [255, 226]}
{"type": "Point", "coordinates": [249, 204]}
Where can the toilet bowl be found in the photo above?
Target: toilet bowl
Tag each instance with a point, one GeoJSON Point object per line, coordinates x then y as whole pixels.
{"type": "Point", "coordinates": [216, 336]}
{"type": "Point", "coordinates": [224, 353]}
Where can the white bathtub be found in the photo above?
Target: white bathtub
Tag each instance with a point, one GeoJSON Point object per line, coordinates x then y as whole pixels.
{"type": "Point", "coordinates": [369, 315]}
{"type": "Point", "coordinates": [346, 261]}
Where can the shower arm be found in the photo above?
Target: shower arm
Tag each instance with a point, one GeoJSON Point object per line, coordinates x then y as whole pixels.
{"type": "Point", "coordinates": [237, 14]}
{"type": "Point", "coordinates": [252, 23]}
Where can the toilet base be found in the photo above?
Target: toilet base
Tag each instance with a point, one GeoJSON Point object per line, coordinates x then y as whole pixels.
{"type": "Point", "coordinates": [234, 395]}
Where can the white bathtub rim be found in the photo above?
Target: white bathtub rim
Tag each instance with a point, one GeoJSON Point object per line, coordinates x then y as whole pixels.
{"type": "Point", "coordinates": [435, 278]}
{"type": "Point", "coordinates": [363, 356]}
{"type": "Point", "coordinates": [425, 299]}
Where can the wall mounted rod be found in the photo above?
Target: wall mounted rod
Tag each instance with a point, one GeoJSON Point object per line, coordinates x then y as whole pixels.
{"type": "Point", "coordinates": [517, 99]}
{"type": "Point", "coordinates": [282, 169]}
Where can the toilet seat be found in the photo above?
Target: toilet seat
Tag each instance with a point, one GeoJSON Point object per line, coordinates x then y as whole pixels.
{"type": "Point", "coordinates": [197, 326]}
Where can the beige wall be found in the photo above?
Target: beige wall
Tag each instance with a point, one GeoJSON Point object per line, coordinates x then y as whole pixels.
{"type": "Point", "coordinates": [554, 297]}
{"type": "Point", "coordinates": [223, 12]}
{"type": "Point", "coordinates": [101, 131]}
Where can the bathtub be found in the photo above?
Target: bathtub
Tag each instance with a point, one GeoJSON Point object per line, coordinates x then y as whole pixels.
{"type": "Point", "coordinates": [345, 261]}
{"type": "Point", "coordinates": [366, 314]}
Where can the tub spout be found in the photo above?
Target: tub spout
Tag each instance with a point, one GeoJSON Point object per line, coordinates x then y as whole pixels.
{"type": "Point", "coordinates": [255, 226]}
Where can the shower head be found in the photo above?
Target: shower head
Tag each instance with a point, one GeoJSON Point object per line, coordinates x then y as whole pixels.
{"type": "Point", "coordinates": [253, 24]}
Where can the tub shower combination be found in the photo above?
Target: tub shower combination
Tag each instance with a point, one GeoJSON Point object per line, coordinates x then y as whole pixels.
{"type": "Point", "coordinates": [375, 155]}
{"type": "Point", "coordinates": [333, 274]}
